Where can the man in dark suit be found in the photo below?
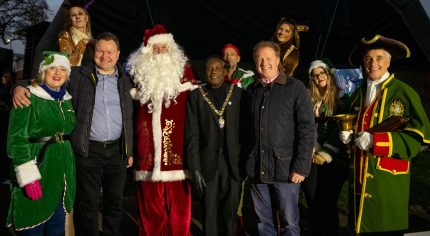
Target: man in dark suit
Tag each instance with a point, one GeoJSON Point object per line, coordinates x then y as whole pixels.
{"type": "Point", "coordinates": [212, 148]}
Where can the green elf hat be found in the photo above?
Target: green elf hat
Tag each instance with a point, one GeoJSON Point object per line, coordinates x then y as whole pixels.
{"type": "Point", "coordinates": [51, 59]}
{"type": "Point", "coordinates": [396, 49]}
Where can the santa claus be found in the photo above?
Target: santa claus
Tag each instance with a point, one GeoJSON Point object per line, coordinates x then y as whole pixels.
{"type": "Point", "coordinates": [162, 80]}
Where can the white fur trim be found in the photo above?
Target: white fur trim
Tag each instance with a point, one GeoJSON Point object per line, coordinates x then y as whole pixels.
{"type": "Point", "coordinates": [163, 176]}
{"type": "Point", "coordinates": [187, 86]}
{"type": "Point", "coordinates": [161, 38]}
{"type": "Point", "coordinates": [317, 63]}
{"type": "Point", "coordinates": [247, 73]}
{"type": "Point", "coordinates": [156, 174]}
{"type": "Point", "coordinates": [27, 173]}
{"type": "Point", "coordinates": [40, 92]}
{"type": "Point", "coordinates": [157, 138]}
{"type": "Point", "coordinates": [327, 157]}
{"type": "Point", "coordinates": [59, 60]}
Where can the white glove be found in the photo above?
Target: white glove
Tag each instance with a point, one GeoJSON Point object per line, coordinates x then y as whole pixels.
{"type": "Point", "coordinates": [364, 141]}
{"type": "Point", "coordinates": [345, 136]}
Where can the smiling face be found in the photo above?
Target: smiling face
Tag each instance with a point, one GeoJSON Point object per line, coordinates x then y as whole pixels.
{"type": "Point", "coordinates": [319, 77]}
{"type": "Point", "coordinates": [376, 63]}
{"type": "Point", "coordinates": [106, 55]}
{"type": "Point", "coordinates": [284, 33]}
{"type": "Point", "coordinates": [78, 18]}
{"type": "Point", "coordinates": [215, 72]}
{"type": "Point", "coordinates": [266, 62]}
{"type": "Point", "coordinates": [55, 76]}
{"type": "Point", "coordinates": [159, 48]}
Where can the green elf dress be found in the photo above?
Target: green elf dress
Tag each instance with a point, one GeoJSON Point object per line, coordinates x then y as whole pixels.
{"type": "Point", "coordinates": [56, 170]}
{"type": "Point", "coordinates": [382, 174]}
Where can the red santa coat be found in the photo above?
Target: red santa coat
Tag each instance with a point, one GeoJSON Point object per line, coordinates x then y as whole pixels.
{"type": "Point", "coordinates": [161, 156]}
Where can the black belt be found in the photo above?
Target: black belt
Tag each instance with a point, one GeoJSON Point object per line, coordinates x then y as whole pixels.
{"type": "Point", "coordinates": [105, 143]}
{"type": "Point", "coordinates": [56, 138]}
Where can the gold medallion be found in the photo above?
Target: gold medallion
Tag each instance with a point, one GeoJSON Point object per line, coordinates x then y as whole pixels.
{"type": "Point", "coordinates": [397, 108]}
{"type": "Point", "coordinates": [221, 122]}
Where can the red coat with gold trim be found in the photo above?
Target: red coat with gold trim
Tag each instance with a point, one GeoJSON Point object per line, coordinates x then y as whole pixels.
{"type": "Point", "coordinates": [160, 138]}
{"type": "Point", "coordinates": [382, 175]}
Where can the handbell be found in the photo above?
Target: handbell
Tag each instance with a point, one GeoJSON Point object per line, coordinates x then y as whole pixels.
{"type": "Point", "coordinates": [345, 121]}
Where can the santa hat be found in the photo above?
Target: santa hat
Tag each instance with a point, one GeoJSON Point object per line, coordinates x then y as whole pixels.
{"type": "Point", "coordinates": [396, 49]}
{"type": "Point", "coordinates": [158, 34]}
{"type": "Point", "coordinates": [324, 63]}
{"type": "Point", "coordinates": [229, 45]}
{"type": "Point", "coordinates": [52, 59]}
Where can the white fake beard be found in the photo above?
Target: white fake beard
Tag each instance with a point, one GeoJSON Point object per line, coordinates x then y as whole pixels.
{"type": "Point", "coordinates": [161, 81]}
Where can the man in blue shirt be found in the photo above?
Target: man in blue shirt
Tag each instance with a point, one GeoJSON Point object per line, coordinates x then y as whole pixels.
{"type": "Point", "coordinates": [103, 136]}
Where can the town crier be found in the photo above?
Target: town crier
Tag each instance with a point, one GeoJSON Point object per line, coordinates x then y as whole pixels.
{"type": "Point", "coordinates": [383, 146]}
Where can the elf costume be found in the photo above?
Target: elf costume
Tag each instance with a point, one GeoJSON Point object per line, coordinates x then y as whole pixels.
{"type": "Point", "coordinates": [50, 116]}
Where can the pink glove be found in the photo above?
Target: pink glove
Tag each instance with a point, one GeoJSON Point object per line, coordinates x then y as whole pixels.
{"type": "Point", "coordinates": [33, 190]}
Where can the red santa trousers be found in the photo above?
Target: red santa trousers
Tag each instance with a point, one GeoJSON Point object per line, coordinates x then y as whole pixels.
{"type": "Point", "coordinates": [165, 208]}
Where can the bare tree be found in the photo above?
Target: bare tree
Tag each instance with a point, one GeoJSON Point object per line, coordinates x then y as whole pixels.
{"type": "Point", "coordinates": [16, 15]}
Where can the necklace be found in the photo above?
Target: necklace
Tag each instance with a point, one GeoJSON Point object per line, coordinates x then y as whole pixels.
{"type": "Point", "coordinates": [221, 121]}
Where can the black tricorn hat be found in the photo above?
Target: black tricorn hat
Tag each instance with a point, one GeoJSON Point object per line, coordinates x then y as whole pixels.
{"type": "Point", "coordinates": [397, 49]}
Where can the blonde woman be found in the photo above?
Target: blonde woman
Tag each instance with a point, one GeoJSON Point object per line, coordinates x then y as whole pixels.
{"type": "Point", "coordinates": [76, 34]}
{"type": "Point", "coordinates": [330, 171]}
{"type": "Point", "coordinates": [43, 187]}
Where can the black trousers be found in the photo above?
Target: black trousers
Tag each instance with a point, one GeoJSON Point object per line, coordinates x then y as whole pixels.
{"type": "Point", "coordinates": [221, 201]}
{"type": "Point", "coordinates": [310, 184]}
{"type": "Point", "coordinates": [325, 215]}
{"type": "Point", "coordinates": [102, 169]}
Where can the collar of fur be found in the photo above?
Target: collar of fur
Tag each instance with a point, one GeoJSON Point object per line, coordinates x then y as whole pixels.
{"type": "Point", "coordinates": [40, 92]}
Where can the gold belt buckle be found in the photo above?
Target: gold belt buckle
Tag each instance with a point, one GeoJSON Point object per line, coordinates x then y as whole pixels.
{"type": "Point", "coordinates": [59, 137]}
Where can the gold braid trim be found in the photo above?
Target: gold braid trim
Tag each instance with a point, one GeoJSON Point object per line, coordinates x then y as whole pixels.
{"type": "Point", "coordinates": [211, 105]}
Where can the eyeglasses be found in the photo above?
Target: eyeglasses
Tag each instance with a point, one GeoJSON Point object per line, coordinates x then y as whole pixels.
{"type": "Point", "coordinates": [322, 74]}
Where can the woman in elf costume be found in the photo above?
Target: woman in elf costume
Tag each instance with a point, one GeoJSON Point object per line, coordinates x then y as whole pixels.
{"type": "Point", "coordinates": [328, 173]}
{"type": "Point", "coordinates": [41, 154]}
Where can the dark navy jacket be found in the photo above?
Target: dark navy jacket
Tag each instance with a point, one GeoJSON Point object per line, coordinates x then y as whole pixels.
{"type": "Point", "coordinates": [82, 87]}
{"type": "Point", "coordinates": [283, 130]}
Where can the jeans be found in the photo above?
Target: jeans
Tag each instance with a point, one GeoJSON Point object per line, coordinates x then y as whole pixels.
{"type": "Point", "coordinates": [53, 227]}
{"type": "Point", "coordinates": [282, 196]}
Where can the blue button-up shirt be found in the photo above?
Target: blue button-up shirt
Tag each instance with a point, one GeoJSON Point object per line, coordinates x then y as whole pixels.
{"type": "Point", "coordinates": [107, 116]}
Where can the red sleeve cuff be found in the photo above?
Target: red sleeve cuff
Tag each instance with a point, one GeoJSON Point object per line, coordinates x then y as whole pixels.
{"type": "Point", "coordinates": [382, 144]}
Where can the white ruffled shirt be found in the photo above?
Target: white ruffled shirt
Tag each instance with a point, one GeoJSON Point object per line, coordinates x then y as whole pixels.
{"type": "Point", "coordinates": [373, 88]}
